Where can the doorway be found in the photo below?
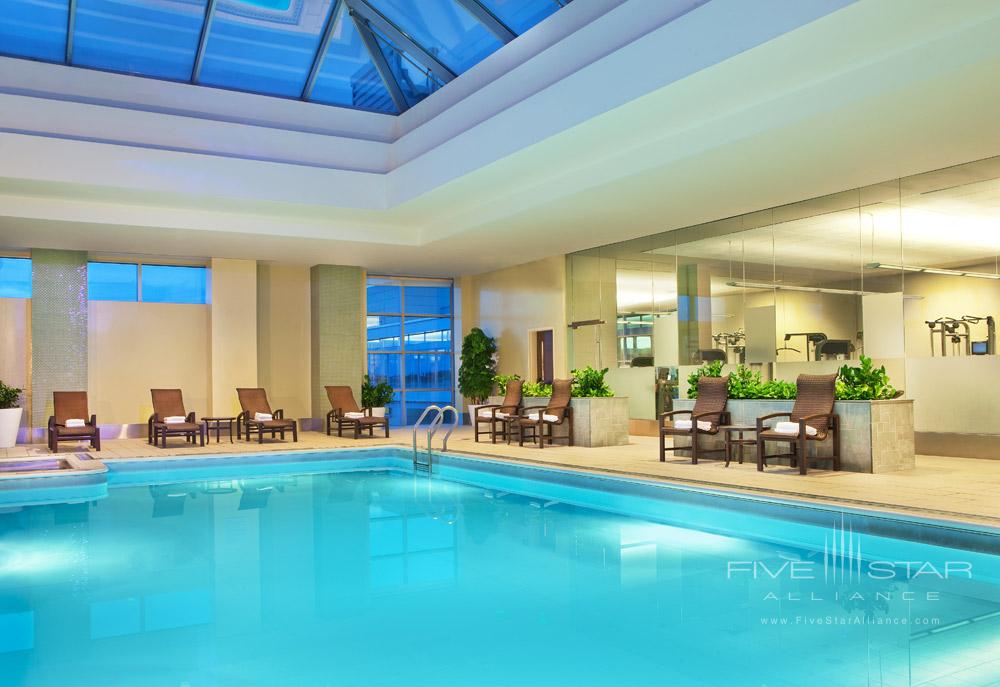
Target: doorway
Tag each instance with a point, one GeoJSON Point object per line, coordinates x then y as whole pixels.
{"type": "Point", "coordinates": [543, 355]}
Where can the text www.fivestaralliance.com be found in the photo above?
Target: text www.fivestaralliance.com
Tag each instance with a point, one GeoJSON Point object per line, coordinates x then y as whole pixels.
{"type": "Point", "coordinates": [848, 620]}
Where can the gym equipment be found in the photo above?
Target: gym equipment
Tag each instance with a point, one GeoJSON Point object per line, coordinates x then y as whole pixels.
{"type": "Point", "coordinates": [957, 331]}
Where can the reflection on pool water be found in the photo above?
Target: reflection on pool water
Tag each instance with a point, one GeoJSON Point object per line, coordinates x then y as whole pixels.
{"type": "Point", "coordinates": [341, 575]}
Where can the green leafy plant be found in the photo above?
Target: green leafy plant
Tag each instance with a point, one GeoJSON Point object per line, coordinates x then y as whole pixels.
{"type": "Point", "coordinates": [9, 396]}
{"type": "Point", "coordinates": [501, 382]}
{"type": "Point", "coordinates": [864, 382]}
{"type": "Point", "coordinates": [744, 383]}
{"type": "Point", "coordinates": [536, 389]}
{"type": "Point", "coordinates": [479, 366]}
{"type": "Point", "coordinates": [375, 395]}
{"type": "Point", "coordinates": [777, 388]}
{"type": "Point", "coordinates": [590, 383]}
{"type": "Point", "coordinates": [712, 369]}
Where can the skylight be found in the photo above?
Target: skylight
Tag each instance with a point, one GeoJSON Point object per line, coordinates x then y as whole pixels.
{"type": "Point", "coordinates": [378, 55]}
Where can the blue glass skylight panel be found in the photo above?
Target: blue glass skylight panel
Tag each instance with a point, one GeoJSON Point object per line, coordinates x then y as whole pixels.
{"type": "Point", "coordinates": [15, 278]}
{"type": "Point", "coordinates": [347, 75]}
{"type": "Point", "coordinates": [34, 28]}
{"type": "Point", "coordinates": [521, 15]}
{"type": "Point", "coordinates": [147, 37]}
{"type": "Point", "coordinates": [414, 81]}
{"type": "Point", "coordinates": [442, 28]}
{"type": "Point", "coordinates": [264, 47]}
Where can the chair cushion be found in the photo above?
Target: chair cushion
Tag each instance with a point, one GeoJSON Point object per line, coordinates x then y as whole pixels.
{"type": "Point", "coordinates": [545, 417]}
{"type": "Point", "coordinates": [179, 426]}
{"type": "Point", "coordinates": [84, 431]}
{"type": "Point", "coordinates": [793, 428]}
{"type": "Point", "coordinates": [371, 420]}
{"type": "Point", "coordinates": [274, 424]}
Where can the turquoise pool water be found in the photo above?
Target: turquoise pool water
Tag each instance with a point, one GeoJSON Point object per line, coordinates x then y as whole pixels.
{"type": "Point", "coordinates": [349, 569]}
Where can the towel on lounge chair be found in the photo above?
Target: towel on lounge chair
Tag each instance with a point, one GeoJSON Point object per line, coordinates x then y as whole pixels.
{"type": "Point", "coordinates": [545, 416]}
{"type": "Point", "coordinates": [262, 417]}
{"type": "Point", "coordinates": [353, 415]}
{"type": "Point", "coordinates": [174, 419]}
{"type": "Point", "coordinates": [793, 428]}
{"type": "Point", "coordinates": [686, 424]}
{"type": "Point", "coordinates": [75, 422]}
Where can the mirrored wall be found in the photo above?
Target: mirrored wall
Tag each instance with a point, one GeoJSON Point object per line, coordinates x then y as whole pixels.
{"type": "Point", "coordinates": [905, 272]}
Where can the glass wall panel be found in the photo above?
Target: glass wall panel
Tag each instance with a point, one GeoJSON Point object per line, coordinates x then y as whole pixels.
{"type": "Point", "coordinates": [408, 349]}
{"type": "Point", "coordinates": [112, 281]}
{"type": "Point", "coordinates": [174, 284]}
{"type": "Point", "coordinates": [15, 277]}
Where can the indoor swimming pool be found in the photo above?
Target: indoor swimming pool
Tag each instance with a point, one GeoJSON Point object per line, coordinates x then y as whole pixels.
{"type": "Point", "coordinates": [350, 568]}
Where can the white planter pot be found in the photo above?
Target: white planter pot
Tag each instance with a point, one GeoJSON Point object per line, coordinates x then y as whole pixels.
{"type": "Point", "coordinates": [10, 421]}
{"type": "Point", "coordinates": [378, 412]}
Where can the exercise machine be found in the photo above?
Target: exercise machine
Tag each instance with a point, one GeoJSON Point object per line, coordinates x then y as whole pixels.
{"type": "Point", "coordinates": [955, 334]}
{"type": "Point", "coordinates": [733, 343]}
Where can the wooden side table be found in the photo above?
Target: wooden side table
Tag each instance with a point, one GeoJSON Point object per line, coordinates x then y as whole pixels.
{"type": "Point", "coordinates": [217, 423]}
{"type": "Point", "coordinates": [736, 443]}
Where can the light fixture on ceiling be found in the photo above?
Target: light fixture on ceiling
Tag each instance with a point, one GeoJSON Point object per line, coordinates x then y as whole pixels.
{"type": "Point", "coordinates": [787, 287]}
{"type": "Point", "coordinates": [931, 270]}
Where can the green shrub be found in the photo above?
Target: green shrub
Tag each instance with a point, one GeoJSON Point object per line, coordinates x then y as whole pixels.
{"type": "Point", "coordinates": [713, 369]}
{"type": "Point", "coordinates": [777, 388]}
{"type": "Point", "coordinates": [536, 389]}
{"type": "Point", "coordinates": [590, 383]}
{"type": "Point", "coordinates": [479, 366]}
{"type": "Point", "coordinates": [864, 383]}
{"type": "Point", "coordinates": [375, 395]}
{"type": "Point", "coordinates": [744, 383]}
{"type": "Point", "coordinates": [501, 382]}
{"type": "Point", "coordinates": [9, 396]}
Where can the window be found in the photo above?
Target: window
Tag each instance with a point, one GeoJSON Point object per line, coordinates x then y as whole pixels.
{"type": "Point", "coordinates": [635, 338]}
{"type": "Point", "coordinates": [15, 278]}
{"type": "Point", "coordinates": [118, 281]}
{"type": "Point", "coordinates": [112, 281]}
{"type": "Point", "coordinates": [410, 343]}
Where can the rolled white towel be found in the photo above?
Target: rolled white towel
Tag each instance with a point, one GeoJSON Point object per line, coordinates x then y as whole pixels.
{"type": "Point", "coordinates": [353, 415]}
{"type": "Point", "coordinates": [75, 422]}
{"type": "Point", "coordinates": [502, 415]}
{"type": "Point", "coordinates": [262, 417]}
{"type": "Point", "coordinates": [485, 413]}
{"type": "Point", "coordinates": [545, 416]}
{"type": "Point", "coordinates": [686, 424]}
{"type": "Point", "coordinates": [174, 419]}
{"type": "Point", "coordinates": [793, 428]}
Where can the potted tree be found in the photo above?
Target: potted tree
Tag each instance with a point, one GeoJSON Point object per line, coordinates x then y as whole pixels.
{"type": "Point", "coordinates": [376, 396]}
{"type": "Point", "coordinates": [478, 368]}
{"type": "Point", "coordinates": [10, 415]}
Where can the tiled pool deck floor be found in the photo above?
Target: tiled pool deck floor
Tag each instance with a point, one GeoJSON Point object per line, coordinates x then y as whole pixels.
{"type": "Point", "coordinates": [943, 487]}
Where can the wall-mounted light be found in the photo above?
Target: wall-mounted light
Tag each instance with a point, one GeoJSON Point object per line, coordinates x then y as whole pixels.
{"type": "Point", "coordinates": [930, 270]}
{"type": "Point", "coordinates": [787, 287]}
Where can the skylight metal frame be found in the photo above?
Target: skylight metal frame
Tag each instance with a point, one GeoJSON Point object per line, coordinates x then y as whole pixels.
{"type": "Point", "coordinates": [485, 17]}
{"type": "Point", "coordinates": [378, 59]}
{"type": "Point", "coordinates": [324, 45]}
{"type": "Point", "coordinates": [400, 39]}
{"type": "Point", "coordinates": [206, 27]}
{"type": "Point", "coordinates": [70, 27]}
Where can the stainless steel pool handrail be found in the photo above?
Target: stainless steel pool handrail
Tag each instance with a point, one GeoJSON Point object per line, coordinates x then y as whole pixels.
{"type": "Point", "coordinates": [440, 421]}
{"type": "Point", "coordinates": [431, 429]}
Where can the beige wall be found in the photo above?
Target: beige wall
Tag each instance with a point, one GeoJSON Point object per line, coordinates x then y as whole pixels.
{"type": "Point", "coordinates": [283, 337]}
{"type": "Point", "coordinates": [15, 351]}
{"type": "Point", "coordinates": [511, 303]}
{"type": "Point", "coordinates": [135, 347]}
{"type": "Point", "coordinates": [233, 333]}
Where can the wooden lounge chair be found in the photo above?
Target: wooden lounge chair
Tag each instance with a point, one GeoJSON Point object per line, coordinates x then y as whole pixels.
{"type": "Point", "coordinates": [707, 416]}
{"type": "Point", "coordinates": [69, 406]}
{"type": "Point", "coordinates": [534, 420]}
{"type": "Point", "coordinates": [169, 404]}
{"type": "Point", "coordinates": [346, 412]}
{"type": "Point", "coordinates": [813, 414]}
{"type": "Point", "coordinates": [254, 403]}
{"type": "Point", "coordinates": [500, 415]}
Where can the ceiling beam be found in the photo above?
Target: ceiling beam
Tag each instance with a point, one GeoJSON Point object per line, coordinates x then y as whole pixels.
{"type": "Point", "coordinates": [317, 63]}
{"type": "Point", "coordinates": [381, 65]}
{"type": "Point", "coordinates": [206, 27]}
{"type": "Point", "coordinates": [401, 40]}
{"type": "Point", "coordinates": [70, 27]}
{"type": "Point", "coordinates": [488, 19]}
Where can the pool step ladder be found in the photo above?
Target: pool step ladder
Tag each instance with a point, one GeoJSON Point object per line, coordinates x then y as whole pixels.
{"type": "Point", "coordinates": [431, 429]}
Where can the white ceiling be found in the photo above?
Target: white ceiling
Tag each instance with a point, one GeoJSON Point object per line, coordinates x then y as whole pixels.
{"type": "Point", "coordinates": [853, 98]}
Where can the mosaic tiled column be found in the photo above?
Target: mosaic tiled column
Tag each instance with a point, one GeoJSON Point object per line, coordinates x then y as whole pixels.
{"type": "Point", "coordinates": [58, 327]}
{"type": "Point", "coordinates": [338, 343]}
